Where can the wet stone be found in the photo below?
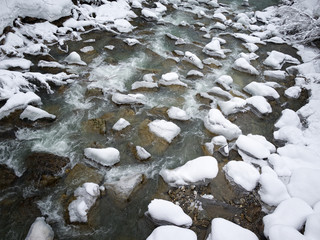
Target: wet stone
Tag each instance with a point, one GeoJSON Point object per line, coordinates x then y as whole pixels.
{"type": "Point", "coordinates": [7, 177]}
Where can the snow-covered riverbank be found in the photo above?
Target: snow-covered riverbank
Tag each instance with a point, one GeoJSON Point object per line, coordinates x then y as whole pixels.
{"type": "Point", "coordinates": [196, 68]}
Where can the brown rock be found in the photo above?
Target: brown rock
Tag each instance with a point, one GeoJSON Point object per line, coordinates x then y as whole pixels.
{"type": "Point", "coordinates": [7, 177]}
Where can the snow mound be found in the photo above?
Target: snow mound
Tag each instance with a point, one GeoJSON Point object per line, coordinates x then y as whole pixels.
{"type": "Point", "coordinates": [193, 171]}
{"type": "Point", "coordinates": [242, 173]}
{"type": "Point", "coordinates": [222, 229]}
{"type": "Point", "coordinates": [260, 104]}
{"type": "Point", "coordinates": [288, 118]}
{"type": "Point", "coordinates": [104, 156]}
{"type": "Point", "coordinates": [276, 60]}
{"type": "Point", "coordinates": [178, 114]}
{"type": "Point", "coordinates": [193, 59]}
{"type": "Point", "coordinates": [33, 113]}
{"type": "Point", "coordinates": [74, 58]}
{"type": "Point", "coordinates": [261, 89]}
{"type": "Point", "coordinates": [293, 92]}
{"type": "Point", "coordinates": [120, 124]}
{"type": "Point", "coordinates": [168, 212]}
{"type": "Point", "coordinates": [312, 230]}
{"type": "Point", "coordinates": [280, 232]}
{"type": "Point", "coordinates": [86, 195]}
{"type": "Point", "coordinates": [40, 230]}
{"type": "Point", "coordinates": [292, 212]}
{"type": "Point", "coordinates": [164, 129]}
{"type": "Point", "coordinates": [172, 233]}
{"type": "Point", "coordinates": [216, 123]}
{"type": "Point", "coordinates": [242, 65]}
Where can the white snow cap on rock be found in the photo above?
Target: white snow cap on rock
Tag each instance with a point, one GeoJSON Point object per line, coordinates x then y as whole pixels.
{"type": "Point", "coordinates": [234, 105]}
{"type": "Point", "coordinates": [242, 173]}
{"type": "Point", "coordinates": [225, 81]}
{"type": "Point", "coordinates": [281, 232]}
{"type": "Point", "coordinates": [74, 58]}
{"type": "Point", "coordinates": [142, 153]}
{"type": "Point", "coordinates": [312, 230]}
{"type": "Point", "coordinates": [164, 129]}
{"type": "Point", "coordinates": [277, 59]}
{"type": "Point", "coordinates": [193, 171]}
{"type": "Point", "coordinates": [216, 123]}
{"type": "Point", "coordinates": [165, 211]}
{"type": "Point", "coordinates": [261, 89]}
{"type": "Point", "coordinates": [276, 74]}
{"type": "Point", "coordinates": [288, 118]}
{"type": "Point", "coordinates": [292, 212]}
{"type": "Point", "coordinates": [40, 230]}
{"type": "Point", "coordinates": [171, 78]}
{"type": "Point", "coordinates": [172, 233]}
{"type": "Point", "coordinates": [242, 65]}
{"type": "Point", "coordinates": [260, 104]}
{"type": "Point", "coordinates": [120, 124]}
{"type": "Point", "coordinates": [178, 114]}
{"type": "Point", "coordinates": [193, 59]}
{"type": "Point", "coordinates": [120, 98]}
{"type": "Point", "coordinates": [34, 113]}
{"type": "Point", "coordinates": [123, 26]}
{"type": "Point", "coordinates": [213, 49]}
{"type": "Point", "coordinates": [255, 145]}
{"type": "Point", "coordinates": [104, 156]}
{"type": "Point", "coordinates": [222, 229]}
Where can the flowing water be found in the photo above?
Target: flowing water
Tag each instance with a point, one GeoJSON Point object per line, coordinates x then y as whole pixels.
{"type": "Point", "coordinates": [78, 103]}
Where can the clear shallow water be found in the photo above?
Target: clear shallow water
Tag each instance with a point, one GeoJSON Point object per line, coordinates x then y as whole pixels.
{"type": "Point", "coordinates": [113, 71]}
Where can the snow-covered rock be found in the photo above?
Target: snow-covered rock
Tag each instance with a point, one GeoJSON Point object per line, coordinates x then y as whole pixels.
{"type": "Point", "coordinates": [293, 92]}
{"type": "Point", "coordinates": [248, 39]}
{"type": "Point", "coordinates": [120, 124]}
{"type": "Point", "coordinates": [50, 64]}
{"type": "Point", "coordinates": [242, 65]}
{"type": "Point", "coordinates": [222, 229]}
{"type": "Point", "coordinates": [120, 98]}
{"type": "Point", "coordinates": [193, 171]}
{"type": "Point", "coordinates": [234, 105]}
{"type": "Point", "coordinates": [219, 16]}
{"type": "Point", "coordinates": [276, 59]}
{"type": "Point", "coordinates": [171, 78]}
{"type": "Point", "coordinates": [216, 123]}
{"type": "Point", "coordinates": [193, 59]}
{"type": "Point", "coordinates": [260, 104]}
{"type": "Point", "coordinates": [15, 63]}
{"type": "Point", "coordinates": [164, 129]}
{"type": "Point", "coordinates": [312, 230]}
{"type": "Point", "coordinates": [131, 41]}
{"type": "Point", "coordinates": [163, 211]}
{"type": "Point", "coordinates": [172, 233]}
{"type": "Point", "coordinates": [144, 84]}
{"type": "Point", "coordinates": [87, 49]}
{"type": "Point", "coordinates": [123, 25]}
{"type": "Point", "coordinates": [195, 73]}
{"type": "Point", "coordinates": [242, 173]}
{"type": "Point", "coordinates": [104, 156]}
{"type": "Point", "coordinates": [251, 47]}
{"type": "Point", "coordinates": [276, 74]}
{"type": "Point", "coordinates": [178, 114]}
{"type": "Point", "coordinates": [74, 58]}
{"type": "Point", "coordinates": [142, 153]}
{"type": "Point", "coordinates": [220, 93]}
{"type": "Point", "coordinates": [225, 81]}
{"type": "Point", "coordinates": [288, 118]}
{"type": "Point", "coordinates": [280, 232]}
{"type": "Point", "coordinates": [292, 212]}
{"type": "Point", "coordinates": [214, 49]}
{"type": "Point", "coordinates": [261, 89]}
{"type": "Point", "coordinates": [40, 230]}
{"type": "Point", "coordinates": [33, 113]}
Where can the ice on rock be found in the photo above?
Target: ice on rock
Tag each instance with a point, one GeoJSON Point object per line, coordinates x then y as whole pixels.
{"type": "Point", "coordinates": [255, 146]}
{"type": "Point", "coordinates": [281, 232]}
{"type": "Point", "coordinates": [131, 41]}
{"type": "Point", "coordinates": [164, 129]}
{"type": "Point", "coordinates": [19, 101]}
{"type": "Point", "coordinates": [312, 230]}
{"type": "Point", "coordinates": [242, 65]}
{"type": "Point", "coordinates": [292, 212]}
{"type": "Point", "coordinates": [33, 113]}
{"type": "Point", "coordinates": [276, 74]}
{"type": "Point", "coordinates": [276, 60]}
{"type": "Point", "coordinates": [193, 171]}
{"type": "Point", "coordinates": [251, 47]}
{"type": "Point", "coordinates": [305, 184]}
{"type": "Point", "coordinates": [225, 81]}
{"type": "Point", "coordinates": [216, 123]}
{"type": "Point", "coordinates": [260, 104]}
{"type": "Point", "coordinates": [163, 211]}
{"type": "Point", "coordinates": [120, 124]}
{"type": "Point", "coordinates": [272, 191]}
{"type": "Point", "coordinates": [142, 153]}
{"type": "Point", "coordinates": [222, 229]}
{"type": "Point", "coordinates": [74, 58]}
{"type": "Point", "coordinates": [172, 233]}
{"type": "Point", "coordinates": [195, 73]}
{"type": "Point", "coordinates": [86, 195]}
{"type": "Point", "coordinates": [40, 230]}
{"type": "Point", "coordinates": [243, 174]}
{"type": "Point", "coordinates": [178, 114]}
{"type": "Point", "coordinates": [171, 78]}
{"type": "Point", "coordinates": [15, 63]}
{"type": "Point", "coordinates": [234, 105]}
{"type": "Point", "coordinates": [261, 89]}
{"type": "Point", "coordinates": [120, 98]}
{"type": "Point", "coordinates": [293, 92]}
{"type": "Point", "coordinates": [248, 39]}
{"type": "Point", "coordinates": [104, 156]}
{"type": "Point", "coordinates": [123, 26]}
{"type": "Point", "coordinates": [193, 59]}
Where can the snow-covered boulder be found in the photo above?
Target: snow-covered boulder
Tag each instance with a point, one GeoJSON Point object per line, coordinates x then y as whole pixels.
{"type": "Point", "coordinates": [143, 84]}
{"type": "Point", "coordinates": [86, 195]}
{"type": "Point", "coordinates": [15, 63]}
{"type": "Point", "coordinates": [216, 123]}
{"type": "Point", "coordinates": [131, 41]}
{"type": "Point", "coordinates": [276, 60]}
{"type": "Point", "coordinates": [280, 232]}
{"type": "Point", "coordinates": [193, 171]}
{"type": "Point", "coordinates": [142, 154]}
{"type": "Point", "coordinates": [164, 129]}
{"type": "Point", "coordinates": [213, 49]}
{"type": "Point", "coordinates": [234, 105]}
{"type": "Point", "coordinates": [255, 145]}
{"type": "Point", "coordinates": [104, 156]}
{"type": "Point", "coordinates": [195, 73]}
{"type": "Point", "coordinates": [242, 65]}
{"type": "Point", "coordinates": [74, 58]}
{"type": "Point", "coordinates": [178, 114]}
{"type": "Point", "coordinates": [163, 211]}
{"type": "Point", "coordinates": [225, 81]}
{"type": "Point", "coordinates": [220, 141]}
{"type": "Point", "coordinates": [293, 92]}
{"type": "Point", "coordinates": [248, 39]}
{"type": "Point", "coordinates": [276, 74]}
{"type": "Point", "coordinates": [288, 118]}
{"type": "Point", "coordinates": [272, 191]}
{"type": "Point", "coordinates": [312, 230]}
{"type": "Point", "coordinates": [172, 233]}
{"type": "Point", "coordinates": [40, 230]}
{"type": "Point", "coordinates": [261, 89]}
{"type": "Point", "coordinates": [219, 16]}
{"type": "Point", "coordinates": [33, 113]}
{"type": "Point", "coordinates": [123, 25]}
{"type": "Point", "coordinates": [120, 124]}
{"type": "Point", "coordinates": [220, 93]}
{"type": "Point", "coordinates": [193, 59]}
{"type": "Point", "coordinates": [251, 47]}
{"type": "Point", "coordinates": [222, 229]}
{"type": "Point", "coordinates": [242, 173]}
{"type": "Point", "coordinates": [120, 98]}
{"type": "Point", "coordinates": [171, 78]}
{"type": "Point", "coordinates": [292, 212]}
{"type": "Point", "coordinates": [259, 104]}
